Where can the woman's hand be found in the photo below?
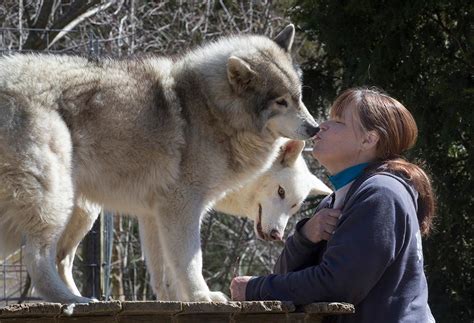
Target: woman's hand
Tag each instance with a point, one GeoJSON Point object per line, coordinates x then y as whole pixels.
{"type": "Point", "coordinates": [321, 226]}
{"type": "Point", "coordinates": [238, 285]}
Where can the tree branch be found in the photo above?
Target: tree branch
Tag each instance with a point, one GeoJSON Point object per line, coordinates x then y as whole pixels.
{"type": "Point", "coordinates": [78, 8]}
{"type": "Point", "coordinates": [59, 34]}
{"type": "Point", "coordinates": [34, 38]}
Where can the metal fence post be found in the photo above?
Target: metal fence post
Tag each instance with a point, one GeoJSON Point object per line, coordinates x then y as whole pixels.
{"type": "Point", "coordinates": [93, 241]}
{"type": "Point", "coordinates": [92, 263]}
{"type": "Point", "coordinates": [107, 248]}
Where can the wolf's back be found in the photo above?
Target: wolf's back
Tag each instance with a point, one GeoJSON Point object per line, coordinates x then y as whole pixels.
{"type": "Point", "coordinates": [41, 75]}
{"type": "Point", "coordinates": [38, 66]}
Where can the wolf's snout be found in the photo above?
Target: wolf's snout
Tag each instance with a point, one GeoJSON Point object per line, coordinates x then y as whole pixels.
{"type": "Point", "coordinates": [312, 130]}
{"type": "Point", "coordinates": [275, 235]}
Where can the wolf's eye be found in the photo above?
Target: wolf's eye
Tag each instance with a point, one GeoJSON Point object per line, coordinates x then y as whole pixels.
{"type": "Point", "coordinates": [282, 102]}
{"type": "Point", "coordinates": [281, 192]}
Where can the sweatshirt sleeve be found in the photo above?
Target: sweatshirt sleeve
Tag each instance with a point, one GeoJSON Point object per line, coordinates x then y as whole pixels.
{"type": "Point", "coordinates": [367, 240]}
{"type": "Point", "coordinates": [299, 252]}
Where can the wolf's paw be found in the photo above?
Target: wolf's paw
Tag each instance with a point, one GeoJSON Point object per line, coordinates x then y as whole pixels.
{"type": "Point", "coordinates": [68, 309]}
{"type": "Point", "coordinates": [216, 297]}
{"type": "Point", "coordinates": [79, 300]}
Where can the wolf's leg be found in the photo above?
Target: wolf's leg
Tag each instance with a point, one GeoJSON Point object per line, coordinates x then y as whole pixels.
{"type": "Point", "coordinates": [169, 283]}
{"type": "Point", "coordinates": [180, 231]}
{"type": "Point", "coordinates": [83, 217]}
{"type": "Point", "coordinates": [52, 211]}
{"type": "Point", "coordinates": [160, 277]}
{"type": "Point", "coordinates": [40, 255]}
{"type": "Point", "coordinates": [36, 182]}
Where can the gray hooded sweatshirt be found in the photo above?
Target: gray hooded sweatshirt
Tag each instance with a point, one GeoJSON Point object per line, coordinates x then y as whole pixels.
{"type": "Point", "coordinates": [374, 259]}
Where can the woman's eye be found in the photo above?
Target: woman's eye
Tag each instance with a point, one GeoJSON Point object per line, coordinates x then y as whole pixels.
{"type": "Point", "coordinates": [282, 102]}
{"type": "Point", "coordinates": [281, 192]}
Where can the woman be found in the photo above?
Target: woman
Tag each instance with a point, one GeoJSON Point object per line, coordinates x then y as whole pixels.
{"type": "Point", "coordinates": [363, 245]}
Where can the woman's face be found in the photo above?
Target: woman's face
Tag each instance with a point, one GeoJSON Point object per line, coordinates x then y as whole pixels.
{"type": "Point", "coordinates": [338, 144]}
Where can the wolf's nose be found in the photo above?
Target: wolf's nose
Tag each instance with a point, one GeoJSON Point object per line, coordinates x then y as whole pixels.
{"type": "Point", "coordinates": [312, 131]}
{"type": "Point", "coordinates": [275, 235]}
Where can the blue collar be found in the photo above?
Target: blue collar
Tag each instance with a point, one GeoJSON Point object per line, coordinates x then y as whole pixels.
{"type": "Point", "coordinates": [347, 175]}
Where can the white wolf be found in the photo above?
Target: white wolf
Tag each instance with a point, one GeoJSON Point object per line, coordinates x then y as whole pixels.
{"type": "Point", "coordinates": [157, 138]}
{"type": "Point", "coordinates": [275, 195]}
{"type": "Point", "coordinates": [269, 201]}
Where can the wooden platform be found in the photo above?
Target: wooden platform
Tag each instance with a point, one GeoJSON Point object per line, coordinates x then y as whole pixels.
{"type": "Point", "coordinates": [176, 312]}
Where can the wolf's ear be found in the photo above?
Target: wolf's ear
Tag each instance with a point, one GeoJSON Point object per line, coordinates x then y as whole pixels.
{"type": "Point", "coordinates": [290, 152]}
{"type": "Point", "coordinates": [239, 73]}
{"type": "Point", "coordinates": [318, 187]}
{"type": "Point", "coordinates": [285, 38]}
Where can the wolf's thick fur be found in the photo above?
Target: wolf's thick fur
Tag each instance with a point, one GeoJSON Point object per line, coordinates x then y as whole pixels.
{"type": "Point", "coordinates": [159, 139]}
{"type": "Point", "coordinates": [259, 200]}
{"type": "Point", "coordinates": [275, 195]}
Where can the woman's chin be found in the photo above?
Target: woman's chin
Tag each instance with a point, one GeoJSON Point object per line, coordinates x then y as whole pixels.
{"type": "Point", "coordinates": [316, 153]}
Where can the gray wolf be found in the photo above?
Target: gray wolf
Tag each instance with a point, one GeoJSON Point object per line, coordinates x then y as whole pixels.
{"type": "Point", "coordinates": [158, 138]}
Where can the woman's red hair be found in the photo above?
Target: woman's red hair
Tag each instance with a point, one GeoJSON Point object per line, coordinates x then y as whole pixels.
{"type": "Point", "coordinates": [397, 133]}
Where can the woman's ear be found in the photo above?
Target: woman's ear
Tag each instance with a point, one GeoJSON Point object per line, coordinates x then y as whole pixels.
{"type": "Point", "coordinates": [370, 140]}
